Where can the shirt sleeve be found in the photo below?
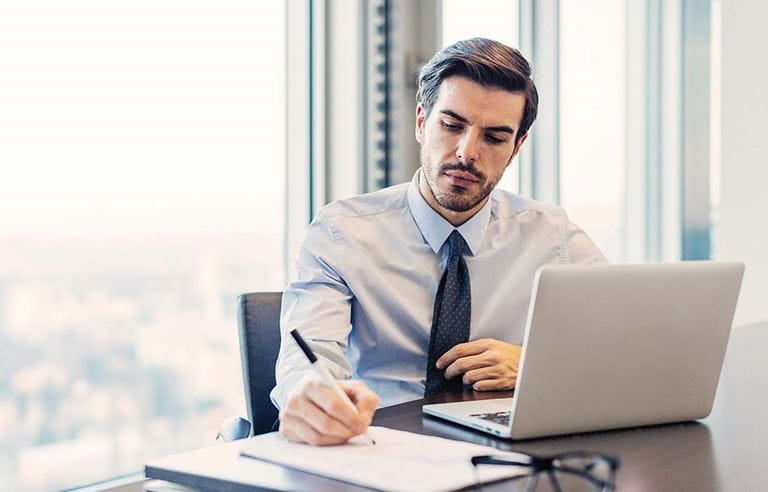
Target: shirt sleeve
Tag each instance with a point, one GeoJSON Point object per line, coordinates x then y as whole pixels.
{"type": "Point", "coordinates": [318, 305]}
{"type": "Point", "coordinates": [579, 247]}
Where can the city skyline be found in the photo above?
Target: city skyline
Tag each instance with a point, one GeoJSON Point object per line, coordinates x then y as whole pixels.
{"type": "Point", "coordinates": [122, 361]}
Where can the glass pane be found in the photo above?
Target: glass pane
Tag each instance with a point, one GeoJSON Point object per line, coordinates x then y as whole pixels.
{"type": "Point", "coordinates": [592, 118]}
{"type": "Point", "coordinates": [142, 151]}
{"type": "Point", "coordinates": [493, 19]}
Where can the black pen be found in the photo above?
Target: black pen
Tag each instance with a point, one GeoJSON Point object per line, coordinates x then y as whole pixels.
{"type": "Point", "coordinates": [325, 375]}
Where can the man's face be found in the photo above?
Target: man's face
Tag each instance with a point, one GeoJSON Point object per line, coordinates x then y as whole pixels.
{"type": "Point", "coordinates": [466, 144]}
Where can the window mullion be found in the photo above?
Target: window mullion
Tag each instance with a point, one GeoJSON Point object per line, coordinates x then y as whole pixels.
{"type": "Point", "coordinates": [298, 211]}
{"type": "Point", "coordinates": [540, 44]}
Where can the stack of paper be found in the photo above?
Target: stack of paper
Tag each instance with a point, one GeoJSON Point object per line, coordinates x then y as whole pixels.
{"type": "Point", "coordinates": [398, 461]}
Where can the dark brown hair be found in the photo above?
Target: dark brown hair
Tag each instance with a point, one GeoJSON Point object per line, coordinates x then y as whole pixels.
{"type": "Point", "coordinates": [486, 62]}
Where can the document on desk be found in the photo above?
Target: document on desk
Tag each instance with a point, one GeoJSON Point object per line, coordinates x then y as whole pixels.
{"type": "Point", "coordinates": [398, 461]}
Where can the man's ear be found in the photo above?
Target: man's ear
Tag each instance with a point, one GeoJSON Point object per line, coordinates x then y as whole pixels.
{"type": "Point", "coordinates": [518, 145]}
{"type": "Point", "coordinates": [420, 119]}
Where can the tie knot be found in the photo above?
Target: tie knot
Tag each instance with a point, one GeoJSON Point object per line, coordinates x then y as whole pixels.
{"type": "Point", "coordinates": [457, 244]}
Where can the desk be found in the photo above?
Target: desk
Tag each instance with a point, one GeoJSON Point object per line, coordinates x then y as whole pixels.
{"type": "Point", "coordinates": [726, 451]}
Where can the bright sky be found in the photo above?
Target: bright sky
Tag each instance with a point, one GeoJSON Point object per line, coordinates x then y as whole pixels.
{"type": "Point", "coordinates": [141, 116]}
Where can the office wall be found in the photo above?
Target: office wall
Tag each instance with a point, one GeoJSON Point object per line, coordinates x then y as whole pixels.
{"type": "Point", "coordinates": [742, 232]}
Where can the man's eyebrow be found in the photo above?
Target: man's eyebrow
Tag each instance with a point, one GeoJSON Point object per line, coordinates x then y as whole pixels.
{"type": "Point", "coordinates": [454, 115]}
{"type": "Point", "coordinates": [502, 128]}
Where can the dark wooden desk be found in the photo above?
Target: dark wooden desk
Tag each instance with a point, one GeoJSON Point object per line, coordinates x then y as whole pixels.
{"type": "Point", "coordinates": [726, 451]}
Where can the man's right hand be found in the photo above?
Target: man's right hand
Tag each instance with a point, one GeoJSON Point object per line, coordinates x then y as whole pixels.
{"type": "Point", "coordinates": [318, 416]}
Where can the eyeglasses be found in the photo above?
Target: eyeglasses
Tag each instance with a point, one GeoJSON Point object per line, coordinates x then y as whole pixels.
{"type": "Point", "coordinates": [574, 471]}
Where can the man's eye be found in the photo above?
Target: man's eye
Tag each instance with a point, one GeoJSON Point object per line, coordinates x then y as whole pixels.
{"type": "Point", "coordinates": [451, 127]}
{"type": "Point", "coordinates": [494, 139]}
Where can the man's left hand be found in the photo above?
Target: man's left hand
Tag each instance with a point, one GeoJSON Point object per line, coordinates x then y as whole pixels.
{"type": "Point", "coordinates": [486, 364]}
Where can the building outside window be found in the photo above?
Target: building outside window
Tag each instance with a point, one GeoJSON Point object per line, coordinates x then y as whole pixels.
{"type": "Point", "coordinates": [142, 154]}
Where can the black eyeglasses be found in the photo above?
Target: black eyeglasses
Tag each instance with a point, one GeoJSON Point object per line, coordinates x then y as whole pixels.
{"type": "Point", "coordinates": [574, 471]}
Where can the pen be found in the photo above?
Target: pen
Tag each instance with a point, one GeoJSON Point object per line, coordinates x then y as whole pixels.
{"type": "Point", "coordinates": [326, 376]}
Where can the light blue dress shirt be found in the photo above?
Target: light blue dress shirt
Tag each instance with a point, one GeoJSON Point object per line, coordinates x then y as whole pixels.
{"type": "Point", "coordinates": [368, 273]}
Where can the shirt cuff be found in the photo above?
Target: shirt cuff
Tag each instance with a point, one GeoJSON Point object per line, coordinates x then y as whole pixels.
{"type": "Point", "coordinates": [286, 389]}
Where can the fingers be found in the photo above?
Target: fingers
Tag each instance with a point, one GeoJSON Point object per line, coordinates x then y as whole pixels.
{"type": "Point", "coordinates": [333, 404]}
{"type": "Point", "coordinates": [296, 430]}
{"type": "Point", "coordinates": [463, 350]}
{"type": "Point", "coordinates": [303, 420]}
{"type": "Point", "coordinates": [494, 385]}
{"type": "Point", "coordinates": [493, 367]}
{"type": "Point", "coordinates": [323, 421]}
{"type": "Point", "coordinates": [490, 378]}
{"type": "Point", "coordinates": [464, 364]}
{"type": "Point", "coordinates": [363, 398]}
{"type": "Point", "coordinates": [491, 352]}
{"type": "Point", "coordinates": [319, 416]}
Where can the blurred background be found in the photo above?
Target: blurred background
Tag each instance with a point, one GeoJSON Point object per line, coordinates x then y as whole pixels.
{"type": "Point", "coordinates": [158, 158]}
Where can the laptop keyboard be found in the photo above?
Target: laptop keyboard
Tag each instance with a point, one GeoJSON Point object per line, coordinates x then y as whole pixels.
{"type": "Point", "coordinates": [501, 418]}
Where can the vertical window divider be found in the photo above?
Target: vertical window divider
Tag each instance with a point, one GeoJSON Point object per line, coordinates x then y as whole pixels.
{"type": "Point", "coordinates": [298, 150]}
{"type": "Point", "coordinates": [671, 120]}
{"type": "Point", "coordinates": [646, 132]}
{"type": "Point", "coordinates": [540, 44]}
{"type": "Point", "coordinates": [318, 96]}
{"type": "Point", "coordinates": [653, 130]}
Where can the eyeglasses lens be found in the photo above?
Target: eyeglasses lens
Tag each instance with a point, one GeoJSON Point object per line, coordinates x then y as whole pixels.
{"type": "Point", "coordinates": [587, 474]}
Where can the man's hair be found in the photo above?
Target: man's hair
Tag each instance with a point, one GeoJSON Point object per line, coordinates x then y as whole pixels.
{"type": "Point", "coordinates": [485, 62]}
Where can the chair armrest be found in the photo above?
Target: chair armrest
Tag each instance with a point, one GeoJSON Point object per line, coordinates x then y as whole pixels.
{"type": "Point", "coordinates": [234, 428]}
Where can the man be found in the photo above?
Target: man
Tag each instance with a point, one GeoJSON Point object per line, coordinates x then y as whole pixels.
{"type": "Point", "coordinates": [425, 286]}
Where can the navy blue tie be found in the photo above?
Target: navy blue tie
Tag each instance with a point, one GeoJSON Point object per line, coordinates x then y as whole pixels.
{"type": "Point", "coordinates": [452, 313]}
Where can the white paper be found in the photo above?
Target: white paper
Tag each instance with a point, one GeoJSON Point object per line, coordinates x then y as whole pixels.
{"type": "Point", "coordinates": [398, 461]}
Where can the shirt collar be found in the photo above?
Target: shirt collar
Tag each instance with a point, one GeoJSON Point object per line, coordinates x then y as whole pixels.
{"type": "Point", "coordinates": [436, 229]}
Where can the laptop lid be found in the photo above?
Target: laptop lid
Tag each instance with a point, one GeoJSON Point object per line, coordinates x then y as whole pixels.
{"type": "Point", "coordinates": [611, 346]}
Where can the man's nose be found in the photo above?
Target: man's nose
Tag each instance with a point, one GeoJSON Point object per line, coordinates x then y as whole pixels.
{"type": "Point", "coordinates": [468, 148]}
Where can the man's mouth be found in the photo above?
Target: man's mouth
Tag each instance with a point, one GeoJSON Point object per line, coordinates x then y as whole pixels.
{"type": "Point", "coordinates": [461, 178]}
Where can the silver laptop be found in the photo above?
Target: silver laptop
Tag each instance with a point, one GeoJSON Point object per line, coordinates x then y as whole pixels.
{"type": "Point", "coordinates": [612, 346]}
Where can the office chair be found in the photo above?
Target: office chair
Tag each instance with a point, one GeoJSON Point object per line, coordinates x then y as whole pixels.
{"type": "Point", "coordinates": [258, 319]}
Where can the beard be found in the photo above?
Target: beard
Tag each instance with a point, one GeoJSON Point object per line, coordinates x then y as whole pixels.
{"type": "Point", "coordinates": [452, 197]}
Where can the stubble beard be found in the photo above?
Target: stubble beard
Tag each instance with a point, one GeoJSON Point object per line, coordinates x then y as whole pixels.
{"type": "Point", "coordinates": [456, 198]}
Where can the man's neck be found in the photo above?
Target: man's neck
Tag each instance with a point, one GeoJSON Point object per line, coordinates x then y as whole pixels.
{"type": "Point", "coordinates": [453, 217]}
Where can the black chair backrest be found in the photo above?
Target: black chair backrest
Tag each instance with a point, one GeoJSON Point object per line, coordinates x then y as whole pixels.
{"type": "Point", "coordinates": [258, 318]}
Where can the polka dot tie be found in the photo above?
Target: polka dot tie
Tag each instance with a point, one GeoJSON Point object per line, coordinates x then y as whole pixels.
{"type": "Point", "coordinates": [452, 313]}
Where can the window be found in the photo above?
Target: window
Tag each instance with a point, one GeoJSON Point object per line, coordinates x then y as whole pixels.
{"type": "Point", "coordinates": [623, 138]}
{"type": "Point", "coordinates": [142, 153]}
{"type": "Point", "coordinates": [592, 118]}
